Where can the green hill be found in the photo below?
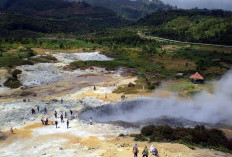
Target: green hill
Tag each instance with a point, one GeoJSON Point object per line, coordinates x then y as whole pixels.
{"type": "Point", "coordinates": [131, 10]}
{"type": "Point", "coordinates": [33, 17]}
{"type": "Point", "coordinates": [205, 26]}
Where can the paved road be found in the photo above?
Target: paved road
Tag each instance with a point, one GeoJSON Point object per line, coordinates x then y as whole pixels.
{"type": "Point", "coordinates": [176, 41]}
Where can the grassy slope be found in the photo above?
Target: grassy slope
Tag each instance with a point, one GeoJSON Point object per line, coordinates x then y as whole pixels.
{"type": "Point", "coordinates": [191, 25]}
{"type": "Point", "coordinates": [131, 10]}
{"type": "Point", "coordinates": [30, 18]}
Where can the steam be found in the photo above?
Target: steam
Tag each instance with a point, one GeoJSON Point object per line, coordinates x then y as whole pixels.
{"type": "Point", "coordinates": [209, 4]}
{"type": "Point", "coordinates": [204, 107]}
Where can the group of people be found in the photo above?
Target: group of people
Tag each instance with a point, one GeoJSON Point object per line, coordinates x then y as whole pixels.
{"type": "Point", "coordinates": [145, 153]}
{"type": "Point", "coordinates": [38, 110]}
{"type": "Point", "coordinates": [62, 118]}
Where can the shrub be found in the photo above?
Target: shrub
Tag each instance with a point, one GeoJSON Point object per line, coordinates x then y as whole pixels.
{"type": "Point", "coordinates": [15, 73]}
{"type": "Point", "coordinates": [12, 83]}
{"type": "Point", "coordinates": [198, 136]}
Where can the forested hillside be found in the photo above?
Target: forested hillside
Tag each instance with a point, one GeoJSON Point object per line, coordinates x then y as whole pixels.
{"type": "Point", "coordinates": [131, 10]}
{"type": "Point", "coordinates": [206, 26]}
{"type": "Point", "coordinates": [33, 17]}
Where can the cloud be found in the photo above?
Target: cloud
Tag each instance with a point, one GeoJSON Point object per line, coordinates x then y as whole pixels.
{"type": "Point", "coordinates": [209, 4]}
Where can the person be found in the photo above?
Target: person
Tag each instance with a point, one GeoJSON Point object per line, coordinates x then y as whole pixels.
{"type": "Point", "coordinates": [46, 122]}
{"type": "Point", "coordinates": [105, 95]}
{"type": "Point", "coordinates": [61, 101]}
{"type": "Point", "coordinates": [56, 123]}
{"type": "Point", "coordinates": [61, 118]}
{"type": "Point", "coordinates": [135, 150]}
{"type": "Point", "coordinates": [11, 130]}
{"type": "Point", "coordinates": [65, 114]}
{"type": "Point", "coordinates": [55, 114]}
{"type": "Point", "coordinates": [45, 110]}
{"type": "Point", "coordinates": [67, 124]}
{"type": "Point", "coordinates": [37, 108]}
{"type": "Point", "coordinates": [94, 88]}
{"type": "Point", "coordinates": [42, 121]}
{"type": "Point", "coordinates": [145, 152]}
{"type": "Point", "coordinates": [153, 150]}
{"type": "Point", "coordinates": [71, 112]}
{"type": "Point", "coordinates": [91, 121]}
{"type": "Point", "coordinates": [33, 111]}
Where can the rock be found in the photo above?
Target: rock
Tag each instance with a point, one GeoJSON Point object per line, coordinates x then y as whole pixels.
{"type": "Point", "coordinates": [32, 119]}
{"type": "Point", "coordinates": [131, 85]}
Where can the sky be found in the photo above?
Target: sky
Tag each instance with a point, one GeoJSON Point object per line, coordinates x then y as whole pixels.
{"type": "Point", "coordinates": [209, 4]}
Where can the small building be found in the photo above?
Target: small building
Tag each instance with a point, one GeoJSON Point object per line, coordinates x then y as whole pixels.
{"type": "Point", "coordinates": [197, 78]}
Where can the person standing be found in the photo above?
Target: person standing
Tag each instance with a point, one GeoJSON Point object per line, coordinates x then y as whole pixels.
{"type": "Point", "coordinates": [71, 112]}
{"type": "Point", "coordinates": [55, 114]}
{"type": "Point", "coordinates": [56, 123]}
{"type": "Point", "coordinates": [37, 108]}
{"type": "Point", "coordinates": [11, 130]}
{"type": "Point", "coordinates": [65, 114]}
{"type": "Point", "coordinates": [67, 123]}
{"type": "Point", "coordinates": [33, 111]}
{"type": "Point", "coordinates": [105, 95]}
{"type": "Point", "coordinates": [42, 121]}
{"type": "Point", "coordinates": [61, 118]}
{"type": "Point", "coordinates": [46, 122]}
{"type": "Point", "coordinates": [45, 110]}
{"type": "Point", "coordinates": [91, 121]}
{"type": "Point", "coordinates": [135, 150]}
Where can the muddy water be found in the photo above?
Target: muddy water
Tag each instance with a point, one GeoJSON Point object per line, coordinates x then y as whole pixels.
{"type": "Point", "coordinates": [69, 85]}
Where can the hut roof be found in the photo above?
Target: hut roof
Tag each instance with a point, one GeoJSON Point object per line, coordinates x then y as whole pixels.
{"type": "Point", "coordinates": [197, 76]}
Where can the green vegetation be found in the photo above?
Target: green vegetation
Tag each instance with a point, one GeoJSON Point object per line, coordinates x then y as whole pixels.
{"type": "Point", "coordinates": [131, 10]}
{"type": "Point", "coordinates": [64, 44]}
{"type": "Point", "coordinates": [33, 18]}
{"type": "Point", "coordinates": [12, 81]}
{"type": "Point", "coordinates": [192, 137]}
{"type": "Point", "coordinates": [204, 26]}
{"type": "Point", "coordinates": [206, 59]}
{"type": "Point", "coordinates": [17, 58]}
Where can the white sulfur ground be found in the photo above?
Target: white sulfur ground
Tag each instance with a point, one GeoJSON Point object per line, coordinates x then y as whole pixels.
{"type": "Point", "coordinates": [44, 73]}
{"type": "Point", "coordinates": [68, 58]}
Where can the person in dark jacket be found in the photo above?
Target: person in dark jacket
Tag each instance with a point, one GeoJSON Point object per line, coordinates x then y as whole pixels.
{"type": "Point", "coordinates": [67, 124]}
{"type": "Point", "coordinates": [61, 118]}
{"type": "Point", "coordinates": [56, 123]}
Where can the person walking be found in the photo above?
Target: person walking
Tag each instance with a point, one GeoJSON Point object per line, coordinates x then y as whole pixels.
{"type": "Point", "coordinates": [145, 152]}
{"type": "Point", "coordinates": [135, 150]}
{"type": "Point", "coordinates": [67, 124]}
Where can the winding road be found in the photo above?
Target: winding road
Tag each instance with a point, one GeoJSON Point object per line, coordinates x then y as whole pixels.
{"type": "Point", "coordinates": [176, 41]}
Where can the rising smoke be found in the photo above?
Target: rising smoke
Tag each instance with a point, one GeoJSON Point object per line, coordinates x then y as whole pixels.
{"type": "Point", "coordinates": [209, 4]}
{"type": "Point", "coordinates": [204, 107]}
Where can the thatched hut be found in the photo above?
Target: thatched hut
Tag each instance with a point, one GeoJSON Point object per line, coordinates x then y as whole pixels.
{"type": "Point", "coordinates": [197, 78]}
